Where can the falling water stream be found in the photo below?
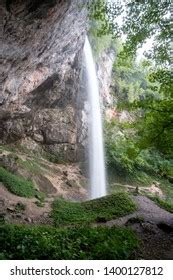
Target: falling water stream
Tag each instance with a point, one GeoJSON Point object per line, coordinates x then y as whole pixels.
{"type": "Point", "coordinates": [96, 150]}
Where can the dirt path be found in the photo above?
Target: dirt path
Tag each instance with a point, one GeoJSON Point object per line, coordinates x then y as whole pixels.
{"type": "Point", "coordinates": [154, 227]}
{"type": "Point", "coordinates": [147, 211]}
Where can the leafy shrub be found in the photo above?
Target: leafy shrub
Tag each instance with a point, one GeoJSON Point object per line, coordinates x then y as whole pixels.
{"type": "Point", "coordinates": [23, 242]}
{"type": "Point", "coordinates": [125, 156]}
{"type": "Point", "coordinates": [105, 208]}
{"type": "Point", "coordinates": [121, 155]}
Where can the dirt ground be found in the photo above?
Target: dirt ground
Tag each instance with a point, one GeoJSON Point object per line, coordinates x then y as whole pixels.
{"type": "Point", "coordinates": [154, 227]}
{"type": "Point", "coordinates": [31, 214]}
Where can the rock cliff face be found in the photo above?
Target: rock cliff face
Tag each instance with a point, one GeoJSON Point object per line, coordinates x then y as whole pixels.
{"type": "Point", "coordinates": [104, 74]}
{"type": "Point", "coordinates": [40, 55]}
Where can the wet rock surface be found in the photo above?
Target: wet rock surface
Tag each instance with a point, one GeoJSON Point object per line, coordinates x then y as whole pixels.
{"type": "Point", "coordinates": [104, 73]}
{"type": "Point", "coordinates": [40, 57]}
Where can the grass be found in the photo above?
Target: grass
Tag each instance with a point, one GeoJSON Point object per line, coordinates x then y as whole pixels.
{"type": "Point", "coordinates": [47, 243]}
{"type": "Point", "coordinates": [98, 210]}
{"type": "Point", "coordinates": [8, 148]}
{"type": "Point", "coordinates": [114, 188]}
{"type": "Point", "coordinates": [138, 178]}
{"type": "Point", "coordinates": [167, 189]}
{"type": "Point", "coordinates": [15, 148]}
{"type": "Point", "coordinates": [20, 186]}
{"type": "Point", "coordinates": [30, 165]}
{"type": "Point", "coordinates": [18, 148]}
{"type": "Point", "coordinates": [16, 184]}
{"type": "Point", "coordinates": [54, 158]}
{"type": "Point", "coordinates": [143, 179]}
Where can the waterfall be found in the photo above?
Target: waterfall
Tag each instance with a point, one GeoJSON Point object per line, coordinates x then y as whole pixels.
{"type": "Point", "coordinates": [96, 150]}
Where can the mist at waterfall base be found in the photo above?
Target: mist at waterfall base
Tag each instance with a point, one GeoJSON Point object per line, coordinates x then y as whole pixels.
{"type": "Point", "coordinates": [96, 147]}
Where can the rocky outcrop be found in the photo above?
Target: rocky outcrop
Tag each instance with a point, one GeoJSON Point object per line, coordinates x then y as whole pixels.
{"type": "Point", "coordinates": [54, 180]}
{"type": "Point", "coordinates": [104, 72]}
{"type": "Point", "coordinates": [40, 56]}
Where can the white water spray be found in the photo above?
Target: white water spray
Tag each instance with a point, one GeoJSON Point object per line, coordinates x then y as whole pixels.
{"type": "Point", "coordinates": [97, 161]}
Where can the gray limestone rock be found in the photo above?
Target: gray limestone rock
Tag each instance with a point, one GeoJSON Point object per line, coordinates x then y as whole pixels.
{"type": "Point", "coordinates": [40, 66]}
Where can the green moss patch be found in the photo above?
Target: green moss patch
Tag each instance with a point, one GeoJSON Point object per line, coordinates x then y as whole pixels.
{"type": "Point", "coordinates": [102, 209]}
{"type": "Point", "coordinates": [16, 184]}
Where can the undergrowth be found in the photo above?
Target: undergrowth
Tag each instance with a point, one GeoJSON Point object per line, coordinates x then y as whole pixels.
{"type": "Point", "coordinates": [16, 184]}
{"type": "Point", "coordinates": [98, 210]}
{"type": "Point", "coordinates": [43, 243]}
{"type": "Point", "coordinates": [30, 165]}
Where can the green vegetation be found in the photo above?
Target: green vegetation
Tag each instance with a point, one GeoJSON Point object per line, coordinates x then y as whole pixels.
{"type": "Point", "coordinates": [30, 165]}
{"type": "Point", "coordinates": [23, 242]}
{"type": "Point", "coordinates": [98, 210]}
{"type": "Point", "coordinates": [162, 203]}
{"type": "Point", "coordinates": [54, 158]}
{"type": "Point", "coordinates": [20, 186]}
{"type": "Point", "coordinates": [141, 146]}
{"type": "Point", "coordinates": [16, 184]}
{"type": "Point", "coordinates": [2, 218]}
{"type": "Point", "coordinates": [99, 44]}
{"type": "Point", "coordinates": [141, 20]}
{"type": "Point", "coordinates": [16, 148]}
{"type": "Point", "coordinates": [126, 156]}
{"type": "Point", "coordinates": [139, 149]}
{"type": "Point", "coordinates": [8, 148]}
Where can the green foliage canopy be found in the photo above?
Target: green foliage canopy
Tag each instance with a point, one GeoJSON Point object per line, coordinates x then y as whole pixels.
{"type": "Point", "coordinates": [143, 20]}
